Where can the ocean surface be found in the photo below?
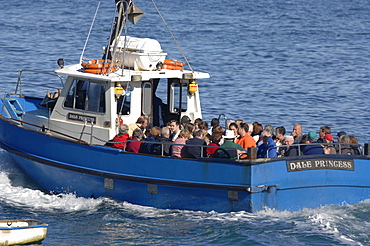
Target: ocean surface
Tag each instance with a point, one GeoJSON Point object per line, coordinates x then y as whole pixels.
{"type": "Point", "coordinates": [279, 62]}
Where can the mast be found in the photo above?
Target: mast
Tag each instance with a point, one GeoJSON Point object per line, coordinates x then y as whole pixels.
{"type": "Point", "coordinates": [126, 10]}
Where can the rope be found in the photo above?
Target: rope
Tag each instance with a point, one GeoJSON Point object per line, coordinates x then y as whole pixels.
{"type": "Point", "coordinates": [173, 36]}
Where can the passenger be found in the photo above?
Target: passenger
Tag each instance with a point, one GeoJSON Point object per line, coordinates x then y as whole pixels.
{"type": "Point", "coordinates": [270, 128]}
{"type": "Point", "coordinates": [121, 137]}
{"type": "Point", "coordinates": [141, 123]}
{"type": "Point", "coordinates": [250, 129]}
{"type": "Point", "coordinates": [175, 129]}
{"type": "Point", "coordinates": [163, 148]}
{"type": "Point", "coordinates": [189, 127]}
{"type": "Point", "coordinates": [234, 127]}
{"type": "Point", "coordinates": [135, 146]}
{"type": "Point", "coordinates": [196, 124]}
{"type": "Point", "coordinates": [355, 145]}
{"type": "Point", "coordinates": [198, 151]}
{"type": "Point", "coordinates": [237, 122]}
{"type": "Point", "coordinates": [345, 147]}
{"type": "Point", "coordinates": [214, 122]}
{"type": "Point", "coordinates": [263, 150]}
{"type": "Point", "coordinates": [218, 128]}
{"type": "Point", "coordinates": [216, 138]}
{"type": "Point", "coordinates": [147, 146]}
{"type": "Point", "coordinates": [297, 133]}
{"type": "Point", "coordinates": [313, 149]}
{"type": "Point", "coordinates": [257, 131]}
{"type": "Point", "coordinates": [184, 120]}
{"type": "Point", "coordinates": [244, 139]}
{"type": "Point", "coordinates": [279, 136]}
{"type": "Point", "coordinates": [329, 149]}
{"type": "Point", "coordinates": [323, 131]}
{"type": "Point", "coordinates": [178, 150]}
{"type": "Point", "coordinates": [203, 126]}
{"type": "Point", "coordinates": [289, 150]}
{"type": "Point", "coordinates": [339, 134]}
{"type": "Point", "coordinates": [229, 149]}
{"type": "Point", "coordinates": [303, 143]}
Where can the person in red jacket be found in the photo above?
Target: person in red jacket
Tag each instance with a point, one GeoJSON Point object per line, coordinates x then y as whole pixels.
{"type": "Point", "coordinates": [121, 137]}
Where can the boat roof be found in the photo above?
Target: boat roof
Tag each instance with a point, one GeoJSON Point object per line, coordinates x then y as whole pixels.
{"type": "Point", "coordinates": [75, 70]}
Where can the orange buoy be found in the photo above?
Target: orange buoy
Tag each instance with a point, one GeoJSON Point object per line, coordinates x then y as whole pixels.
{"type": "Point", "coordinates": [174, 63]}
{"type": "Point", "coordinates": [94, 64]}
{"type": "Point", "coordinates": [100, 70]}
{"type": "Point", "coordinates": [172, 67]}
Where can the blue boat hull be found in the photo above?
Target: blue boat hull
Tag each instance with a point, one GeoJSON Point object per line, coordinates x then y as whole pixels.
{"type": "Point", "coordinates": [163, 182]}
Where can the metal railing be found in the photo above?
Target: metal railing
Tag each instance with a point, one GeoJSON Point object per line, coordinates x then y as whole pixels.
{"type": "Point", "coordinates": [20, 83]}
{"type": "Point", "coordinates": [300, 147]}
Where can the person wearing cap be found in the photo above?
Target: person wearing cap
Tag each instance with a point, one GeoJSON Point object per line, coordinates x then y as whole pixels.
{"type": "Point", "coordinates": [341, 133]}
{"type": "Point", "coordinates": [184, 120]}
{"type": "Point", "coordinates": [229, 149]}
{"type": "Point", "coordinates": [313, 148]}
{"type": "Point", "coordinates": [329, 149]}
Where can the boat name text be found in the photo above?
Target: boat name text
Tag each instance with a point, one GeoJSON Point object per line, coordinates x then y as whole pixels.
{"type": "Point", "coordinates": [312, 164]}
{"type": "Point", "coordinates": [80, 117]}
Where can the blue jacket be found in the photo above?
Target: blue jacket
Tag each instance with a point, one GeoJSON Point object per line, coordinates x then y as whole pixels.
{"type": "Point", "coordinates": [313, 150]}
{"type": "Point", "coordinates": [262, 149]}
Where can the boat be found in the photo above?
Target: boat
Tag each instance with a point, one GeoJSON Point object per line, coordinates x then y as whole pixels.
{"type": "Point", "coordinates": [65, 134]}
{"type": "Point", "coordinates": [25, 231]}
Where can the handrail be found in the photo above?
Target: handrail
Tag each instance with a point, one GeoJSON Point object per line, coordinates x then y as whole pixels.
{"type": "Point", "coordinates": [312, 144]}
{"type": "Point", "coordinates": [20, 83]}
{"type": "Point", "coordinates": [43, 128]}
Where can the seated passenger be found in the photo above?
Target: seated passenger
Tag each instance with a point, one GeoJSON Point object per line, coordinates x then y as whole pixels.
{"type": "Point", "coordinates": [288, 151]}
{"type": "Point", "coordinates": [229, 149]}
{"type": "Point", "coordinates": [203, 126]}
{"type": "Point", "coordinates": [121, 137]}
{"type": "Point", "coordinates": [135, 146]}
{"type": "Point", "coordinates": [266, 148]}
{"type": "Point", "coordinates": [174, 127]}
{"type": "Point", "coordinates": [178, 150]}
{"type": "Point", "coordinates": [216, 138]}
{"type": "Point", "coordinates": [355, 145]}
{"type": "Point", "coordinates": [257, 131]}
{"type": "Point", "coordinates": [163, 149]}
{"type": "Point", "coordinates": [147, 145]}
{"type": "Point", "coordinates": [195, 152]}
{"type": "Point", "coordinates": [313, 149]}
{"type": "Point", "coordinates": [329, 149]}
{"type": "Point", "coordinates": [244, 139]}
{"type": "Point", "coordinates": [323, 131]}
{"type": "Point", "coordinates": [141, 123]}
{"type": "Point", "coordinates": [345, 147]}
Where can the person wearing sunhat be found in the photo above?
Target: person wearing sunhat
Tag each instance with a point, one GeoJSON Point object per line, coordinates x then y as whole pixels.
{"type": "Point", "coordinates": [229, 149]}
{"type": "Point", "coordinates": [313, 148]}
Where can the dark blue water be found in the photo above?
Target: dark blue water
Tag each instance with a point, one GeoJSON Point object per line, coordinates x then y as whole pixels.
{"type": "Point", "coordinates": [277, 62]}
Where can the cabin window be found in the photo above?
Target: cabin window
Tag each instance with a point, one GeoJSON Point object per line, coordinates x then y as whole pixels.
{"type": "Point", "coordinates": [124, 101]}
{"type": "Point", "coordinates": [86, 95]}
{"type": "Point", "coordinates": [178, 94]}
{"type": "Point", "coordinates": [147, 98]}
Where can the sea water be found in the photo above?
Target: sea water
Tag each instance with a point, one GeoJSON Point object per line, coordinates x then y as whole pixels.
{"type": "Point", "coordinates": [278, 62]}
